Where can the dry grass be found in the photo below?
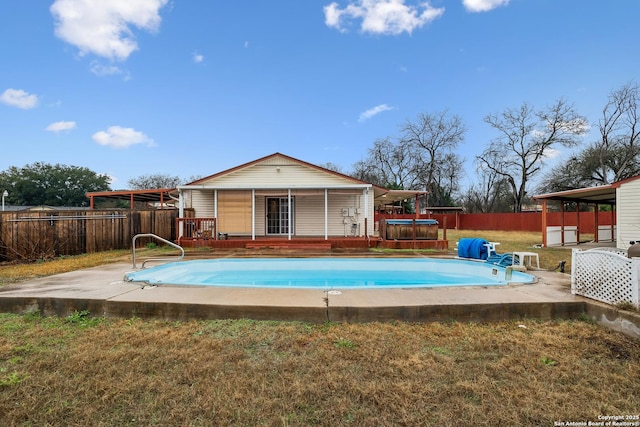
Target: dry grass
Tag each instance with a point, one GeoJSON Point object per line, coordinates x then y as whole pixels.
{"type": "Point", "coordinates": [14, 272]}
{"type": "Point", "coordinates": [85, 371]}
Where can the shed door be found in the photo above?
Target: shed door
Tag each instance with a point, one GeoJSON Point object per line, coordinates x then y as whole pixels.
{"type": "Point", "coordinates": [278, 215]}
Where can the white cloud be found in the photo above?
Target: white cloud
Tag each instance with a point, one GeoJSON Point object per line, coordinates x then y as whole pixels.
{"type": "Point", "coordinates": [197, 58]}
{"type": "Point", "coordinates": [551, 153]}
{"type": "Point", "coordinates": [61, 126]}
{"type": "Point", "coordinates": [104, 27]}
{"type": "Point", "coordinates": [19, 98]}
{"type": "Point", "coordinates": [119, 137]}
{"type": "Point", "coordinates": [374, 111]}
{"type": "Point", "coordinates": [104, 70]}
{"type": "Point", "coordinates": [382, 16]}
{"type": "Point", "coordinates": [483, 5]}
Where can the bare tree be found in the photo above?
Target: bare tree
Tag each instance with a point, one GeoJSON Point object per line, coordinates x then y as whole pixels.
{"type": "Point", "coordinates": [525, 137]}
{"type": "Point", "coordinates": [489, 193]}
{"type": "Point", "coordinates": [618, 150]}
{"type": "Point", "coordinates": [331, 166]}
{"type": "Point", "coordinates": [566, 175]}
{"type": "Point", "coordinates": [388, 164]}
{"type": "Point", "coordinates": [446, 181]}
{"type": "Point", "coordinates": [434, 139]}
{"type": "Point", "coordinates": [615, 156]}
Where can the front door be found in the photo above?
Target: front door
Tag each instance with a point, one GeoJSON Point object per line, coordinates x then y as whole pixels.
{"type": "Point", "coordinates": [278, 215]}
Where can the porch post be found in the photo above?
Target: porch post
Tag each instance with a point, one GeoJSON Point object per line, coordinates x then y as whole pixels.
{"type": "Point", "coordinates": [326, 214]}
{"type": "Point", "coordinates": [544, 223]}
{"type": "Point", "coordinates": [578, 223]}
{"type": "Point", "coordinates": [614, 237]}
{"type": "Point", "coordinates": [596, 223]}
{"type": "Point", "coordinates": [561, 222]}
{"type": "Point", "coordinates": [215, 212]}
{"type": "Point", "coordinates": [180, 212]}
{"type": "Point", "coordinates": [289, 213]}
{"type": "Point", "coordinates": [253, 214]}
{"type": "Point", "coordinates": [366, 212]}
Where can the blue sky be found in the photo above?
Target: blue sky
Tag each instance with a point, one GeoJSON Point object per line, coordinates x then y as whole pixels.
{"type": "Point", "coordinates": [190, 88]}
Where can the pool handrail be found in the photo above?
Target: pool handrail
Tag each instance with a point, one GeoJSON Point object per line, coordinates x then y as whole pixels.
{"type": "Point", "coordinates": [133, 245]}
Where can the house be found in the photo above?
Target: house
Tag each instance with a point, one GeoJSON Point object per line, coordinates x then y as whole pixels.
{"type": "Point", "coordinates": [623, 197]}
{"type": "Point", "coordinates": [282, 199]}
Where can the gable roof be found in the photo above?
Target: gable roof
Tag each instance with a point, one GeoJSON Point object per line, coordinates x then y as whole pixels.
{"type": "Point", "coordinates": [275, 159]}
{"type": "Point", "coordinates": [240, 177]}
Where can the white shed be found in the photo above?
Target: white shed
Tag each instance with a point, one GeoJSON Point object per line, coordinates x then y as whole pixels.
{"type": "Point", "coordinates": [628, 211]}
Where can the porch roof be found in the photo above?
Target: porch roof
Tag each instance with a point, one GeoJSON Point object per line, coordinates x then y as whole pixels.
{"type": "Point", "coordinates": [160, 195]}
{"type": "Point", "coordinates": [605, 194]}
{"type": "Point", "coordinates": [386, 196]}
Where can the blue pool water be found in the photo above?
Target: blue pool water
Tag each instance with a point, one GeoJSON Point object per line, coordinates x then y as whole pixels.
{"type": "Point", "coordinates": [328, 273]}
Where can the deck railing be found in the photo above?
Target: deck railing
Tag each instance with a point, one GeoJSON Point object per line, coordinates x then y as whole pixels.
{"type": "Point", "coordinates": [196, 228]}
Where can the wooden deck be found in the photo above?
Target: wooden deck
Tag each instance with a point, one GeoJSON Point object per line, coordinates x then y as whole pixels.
{"type": "Point", "coordinates": [307, 243]}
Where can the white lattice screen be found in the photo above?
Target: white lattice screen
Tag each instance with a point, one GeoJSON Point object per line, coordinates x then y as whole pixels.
{"type": "Point", "coordinates": [605, 275]}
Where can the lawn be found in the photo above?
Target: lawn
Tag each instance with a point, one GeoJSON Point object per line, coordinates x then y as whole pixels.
{"type": "Point", "coordinates": [131, 372]}
{"type": "Point", "coordinates": [85, 370]}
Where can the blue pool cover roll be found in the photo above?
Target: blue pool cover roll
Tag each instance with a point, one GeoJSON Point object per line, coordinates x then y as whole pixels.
{"type": "Point", "coordinates": [473, 247]}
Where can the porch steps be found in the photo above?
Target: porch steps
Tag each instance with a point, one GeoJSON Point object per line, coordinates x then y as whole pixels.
{"type": "Point", "coordinates": [288, 245]}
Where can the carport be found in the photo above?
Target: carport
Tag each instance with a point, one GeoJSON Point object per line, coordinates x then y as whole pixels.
{"type": "Point", "coordinates": [595, 196]}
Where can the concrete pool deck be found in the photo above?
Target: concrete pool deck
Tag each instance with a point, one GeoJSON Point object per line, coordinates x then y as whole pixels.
{"type": "Point", "coordinates": [103, 291]}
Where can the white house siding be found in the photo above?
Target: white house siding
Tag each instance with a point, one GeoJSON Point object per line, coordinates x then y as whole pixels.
{"type": "Point", "coordinates": [203, 203]}
{"type": "Point", "coordinates": [628, 213]}
{"type": "Point", "coordinates": [269, 176]}
{"type": "Point", "coordinates": [340, 225]}
{"type": "Point", "coordinates": [310, 212]}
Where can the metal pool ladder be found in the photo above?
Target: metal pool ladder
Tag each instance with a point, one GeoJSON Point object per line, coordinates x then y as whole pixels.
{"type": "Point", "coordinates": [133, 245]}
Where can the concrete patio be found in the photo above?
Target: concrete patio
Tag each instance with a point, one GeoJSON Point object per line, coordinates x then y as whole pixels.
{"type": "Point", "coordinates": [103, 292]}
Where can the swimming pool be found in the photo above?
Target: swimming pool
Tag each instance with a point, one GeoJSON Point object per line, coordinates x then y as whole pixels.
{"type": "Point", "coordinates": [328, 273]}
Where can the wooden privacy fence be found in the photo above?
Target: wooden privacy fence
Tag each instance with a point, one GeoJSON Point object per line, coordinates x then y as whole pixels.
{"type": "Point", "coordinates": [524, 221]}
{"type": "Point", "coordinates": [33, 235]}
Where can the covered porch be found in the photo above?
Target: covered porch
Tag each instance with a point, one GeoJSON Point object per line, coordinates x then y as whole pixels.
{"type": "Point", "coordinates": [296, 218]}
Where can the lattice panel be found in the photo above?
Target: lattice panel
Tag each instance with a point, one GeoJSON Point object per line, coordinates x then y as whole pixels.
{"type": "Point", "coordinates": [606, 276]}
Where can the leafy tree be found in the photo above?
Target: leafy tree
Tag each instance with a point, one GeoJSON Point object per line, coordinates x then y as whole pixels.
{"type": "Point", "coordinates": [154, 181]}
{"type": "Point", "coordinates": [525, 137]}
{"type": "Point", "coordinates": [51, 185]}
